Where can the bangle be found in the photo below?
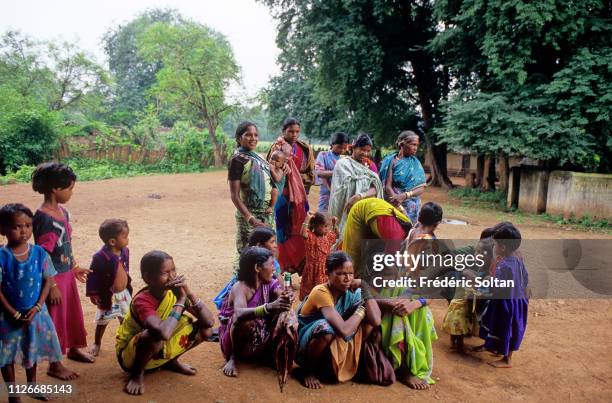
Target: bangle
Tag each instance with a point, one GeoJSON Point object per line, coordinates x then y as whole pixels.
{"type": "Point", "coordinates": [360, 312]}
{"type": "Point", "coordinates": [17, 315]}
{"type": "Point", "coordinates": [198, 304]}
{"type": "Point", "coordinates": [53, 285]}
{"type": "Point", "coordinates": [248, 220]}
{"type": "Point", "coordinates": [265, 309]}
{"type": "Point", "coordinates": [38, 307]}
{"type": "Point", "coordinates": [260, 311]}
{"type": "Point", "coordinates": [175, 315]}
{"type": "Point", "coordinates": [423, 301]}
{"type": "Point", "coordinates": [408, 194]}
{"type": "Point", "coordinates": [179, 305]}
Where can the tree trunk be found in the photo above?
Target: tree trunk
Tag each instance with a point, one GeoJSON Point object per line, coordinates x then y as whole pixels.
{"type": "Point", "coordinates": [480, 169]}
{"type": "Point", "coordinates": [488, 183]}
{"type": "Point", "coordinates": [217, 148]}
{"type": "Point", "coordinates": [504, 172]}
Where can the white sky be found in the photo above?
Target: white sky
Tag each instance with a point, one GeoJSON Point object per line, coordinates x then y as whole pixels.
{"type": "Point", "coordinates": [248, 26]}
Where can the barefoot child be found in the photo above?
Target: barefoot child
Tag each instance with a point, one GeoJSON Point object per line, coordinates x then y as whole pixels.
{"type": "Point", "coordinates": [27, 334]}
{"type": "Point", "coordinates": [318, 239]}
{"type": "Point", "coordinates": [53, 232]}
{"type": "Point", "coordinates": [109, 285]}
{"type": "Point", "coordinates": [157, 329]}
{"type": "Point", "coordinates": [506, 317]}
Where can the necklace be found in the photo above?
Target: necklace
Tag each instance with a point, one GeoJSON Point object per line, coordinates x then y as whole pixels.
{"type": "Point", "coordinates": [20, 254]}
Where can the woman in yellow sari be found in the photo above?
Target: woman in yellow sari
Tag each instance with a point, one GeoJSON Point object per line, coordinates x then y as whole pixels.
{"type": "Point", "coordinates": [156, 330]}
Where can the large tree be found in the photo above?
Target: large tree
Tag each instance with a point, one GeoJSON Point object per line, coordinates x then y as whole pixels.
{"type": "Point", "coordinates": [531, 79]}
{"type": "Point", "coordinates": [198, 67]}
{"type": "Point", "coordinates": [368, 63]}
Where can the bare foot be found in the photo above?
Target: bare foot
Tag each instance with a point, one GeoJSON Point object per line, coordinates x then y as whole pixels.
{"type": "Point", "coordinates": [311, 382]}
{"type": "Point", "coordinates": [135, 385]}
{"type": "Point", "coordinates": [76, 354]}
{"type": "Point", "coordinates": [503, 363]}
{"type": "Point", "coordinates": [414, 383]}
{"type": "Point", "coordinates": [229, 369]}
{"type": "Point", "coordinates": [94, 350]}
{"type": "Point", "coordinates": [478, 349]}
{"type": "Point", "coordinates": [59, 371]}
{"type": "Point", "coordinates": [176, 366]}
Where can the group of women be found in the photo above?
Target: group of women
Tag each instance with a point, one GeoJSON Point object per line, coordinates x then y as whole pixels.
{"type": "Point", "coordinates": [341, 324]}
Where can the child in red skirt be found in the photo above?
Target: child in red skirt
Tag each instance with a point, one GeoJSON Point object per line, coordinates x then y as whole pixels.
{"type": "Point", "coordinates": [318, 241]}
{"type": "Point", "coordinates": [53, 232]}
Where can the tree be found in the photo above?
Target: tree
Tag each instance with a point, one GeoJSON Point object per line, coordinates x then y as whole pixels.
{"type": "Point", "coordinates": [198, 67]}
{"type": "Point", "coordinates": [133, 75]}
{"type": "Point", "coordinates": [368, 62]}
{"type": "Point", "coordinates": [530, 78]}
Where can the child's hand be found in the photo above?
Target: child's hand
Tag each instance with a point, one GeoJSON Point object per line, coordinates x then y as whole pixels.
{"type": "Point", "coordinates": [268, 210]}
{"type": "Point", "coordinates": [95, 299]}
{"type": "Point", "coordinates": [286, 169]}
{"type": "Point", "coordinates": [309, 215]}
{"type": "Point", "coordinates": [334, 221]}
{"type": "Point", "coordinates": [55, 296]}
{"type": "Point", "coordinates": [80, 273]}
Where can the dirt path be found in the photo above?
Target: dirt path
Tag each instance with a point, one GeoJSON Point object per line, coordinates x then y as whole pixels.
{"type": "Point", "coordinates": [565, 355]}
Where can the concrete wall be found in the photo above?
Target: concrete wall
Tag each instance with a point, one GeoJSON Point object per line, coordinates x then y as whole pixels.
{"type": "Point", "coordinates": [579, 194]}
{"type": "Point", "coordinates": [454, 164]}
{"type": "Point", "coordinates": [533, 190]}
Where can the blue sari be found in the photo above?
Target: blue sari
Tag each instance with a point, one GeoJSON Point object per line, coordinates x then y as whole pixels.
{"type": "Point", "coordinates": [408, 174]}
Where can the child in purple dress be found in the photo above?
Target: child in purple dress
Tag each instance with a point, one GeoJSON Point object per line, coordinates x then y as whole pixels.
{"type": "Point", "coordinates": [506, 317]}
{"type": "Point", "coordinates": [27, 334]}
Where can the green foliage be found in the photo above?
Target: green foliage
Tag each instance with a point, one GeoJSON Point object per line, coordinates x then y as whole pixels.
{"type": "Point", "coordinates": [186, 144]}
{"type": "Point", "coordinates": [496, 199]}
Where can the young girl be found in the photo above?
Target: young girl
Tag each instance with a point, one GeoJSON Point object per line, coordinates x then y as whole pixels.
{"type": "Point", "coordinates": [27, 334]}
{"type": "Point", "coordinates": [506, 317]}
{"type": "Point", "coordinates": [263, 237]}
{"type": "Point", "coordinates": [53, 232]}
{"type": "Point", "coordinates": [278, 170]}
{"type": "Point", "coordinates": [318, 240]}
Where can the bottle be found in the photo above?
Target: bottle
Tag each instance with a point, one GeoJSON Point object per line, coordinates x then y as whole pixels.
{"type": "Point", "coordinates": [287, 280]}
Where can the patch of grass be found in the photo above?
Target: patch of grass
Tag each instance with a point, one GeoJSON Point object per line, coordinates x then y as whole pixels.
{"type": "Point", "coordinates": [473, 200]}
{"type": "Point", "coordinates": [90, 170]}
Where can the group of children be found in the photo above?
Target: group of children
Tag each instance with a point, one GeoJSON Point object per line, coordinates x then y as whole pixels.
{"type": "Point", "coordinates": [42, 318]}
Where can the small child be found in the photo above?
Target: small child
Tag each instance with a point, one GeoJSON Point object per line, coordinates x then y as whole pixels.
{"type": "Point", "coordinates": [430, 216]}
{"type": "Point", "coordinates": [318, 239]}
{"type": "Point", "coordinates": [109, 285]}
{"type": "Point", "coordinates": [263, 237]}
{"type": "Point", "coordinates": [278, 164]}
{"type": "Point", "coordinates": [27, 334]}
{"type": "Point", "coordinates": [52, 231]}
{"type": "Point", "coordinates": [506, 318]}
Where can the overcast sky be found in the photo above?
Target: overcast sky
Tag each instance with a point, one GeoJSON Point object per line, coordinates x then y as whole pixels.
{"type": "Point", "coordinates": [248, 26]}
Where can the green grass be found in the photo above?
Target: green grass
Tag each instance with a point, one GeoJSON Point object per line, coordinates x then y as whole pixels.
{"type": "Point", "coordinates": [473, 199]}
{"type": "Point", "coordinates": [90, 170]}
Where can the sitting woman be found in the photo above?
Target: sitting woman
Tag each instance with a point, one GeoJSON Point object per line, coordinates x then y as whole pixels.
{"type": "Point", "coordinates": [331, 325]}
{"type": "Point", "coordinates": [156, 330]}
{"type": "Point", "coordinates": [247, 313]}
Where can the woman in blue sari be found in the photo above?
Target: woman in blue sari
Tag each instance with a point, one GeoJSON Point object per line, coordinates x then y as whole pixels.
{"type": "Point", "coordinates": [331, 325]}
{"type": "Point", "coordinates": [403, 176]}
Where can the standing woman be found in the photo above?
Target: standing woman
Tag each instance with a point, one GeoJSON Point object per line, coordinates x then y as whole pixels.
{"type": "Point", "coordinates": [250, 185]}
{"type": "Point", "coordinates": [292, 204]}
{"type": "Point", "coordinates": [403, 176]}
{"type": "Point", "coordinates": [354, 178]}
{"type": "Point", "coordinates": [324, 167]}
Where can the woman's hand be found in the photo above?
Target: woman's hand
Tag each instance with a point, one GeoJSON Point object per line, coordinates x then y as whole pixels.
{"type": "Point", "coordinates": [55, 296]}
{"type": "Point", "coordinates": [28, 317]}
{"type": "Point", "coordinates": [281, 304]}
{"type": "Point", "coordinates": [81, 273]}
{"type": "Point", "coordinates": [355, 284]}
{"type": "Point", "coordinates": [258, 223]}
{"type": "Point", "coordinates": [405, 307]}
{"type": "Point", "coordinates": [397, 198]}
{"type": "Point", "coordinates": [351, 202]}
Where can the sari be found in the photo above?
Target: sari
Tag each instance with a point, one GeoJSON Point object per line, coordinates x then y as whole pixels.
{"type": "Point", "coordinates": [182, 339]}
{"type": "Point", "coordinates": [407, 340]}
{"type": "Point", "coordinates": [350, 178]}
{"type": "Point", "coordinates": [260, 332]}
{"type": "Point", "coordinates": [408, 174]}
{"type": "Point", "coordinates": [290, 213]}
{"type": "Point", "coordinates": [255, 192]}
{"type": "Point", "coordinates": [326, 161]}
{"type": "Point", "coordinates": [345, 353]}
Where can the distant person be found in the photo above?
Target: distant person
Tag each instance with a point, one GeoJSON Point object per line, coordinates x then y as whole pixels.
{"type": "Point", "coordinates": [109, 286]}
{"type": "Point", "coordinates": [354, 179]}
{"type": "Point", "coordinates": [324, 167]}
{"type": "Point", "coordinates": [157, 329]}
{"type": "Point", "coordinates": [27, 334]}
{"type": "Point", "coordinates": [53, 232]}
{"type": "Point", "coordinates": [403, 176]}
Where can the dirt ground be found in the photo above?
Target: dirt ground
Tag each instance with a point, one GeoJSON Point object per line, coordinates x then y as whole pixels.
{"type": "Point", "coordinates": [566, 354]}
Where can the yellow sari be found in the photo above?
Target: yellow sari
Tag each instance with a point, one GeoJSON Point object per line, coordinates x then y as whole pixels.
{"type": "Point", "coordinates": [130, 329]}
